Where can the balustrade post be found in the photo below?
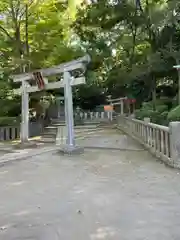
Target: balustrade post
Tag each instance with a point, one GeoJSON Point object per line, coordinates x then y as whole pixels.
{"type": "Point", "coordinates": [147, 132]}
{"type": "Point", "coordinates": [81, 115]}
{"type": "Point", "coordinates": [130, 126]}
{"type": "Point", "coordinates": [85, 116]}
{"type": "Point", "coordinates": [91, 115]}
{"type": "Point", "coordinates": [97, 115]}
{"type": "Point", "coordinates": [61, 136]}
{"type": "Point", "coordinates": [102, 115]}
{"type": "Point", "coordinates": [174, 128]}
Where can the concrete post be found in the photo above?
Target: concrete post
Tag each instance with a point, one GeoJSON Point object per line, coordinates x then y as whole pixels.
{"type": "Point", "coordinates": [24, 114]}
{"type": "Point", "coordinates": [111, 111]}
{"type": "Point", "coordinates": [70, 147]}
{"type": "Point", "coordinates": [59, 108]}
{"type": "Point", "coordinates": [61, 136]}
{"type": "Point", "coordinates": [122, 106]}
{"type": "Point", "coordinates": [147, 132]}
{"type": "Point", "coordinates": [174, 128]}
{"type": "Point", "coordinates": [111, 116]}
{"type": "Point", "coordinates": [147, 120]}
{"type": "Point", "coordinates": [69, 110]}
{"type": "Point", "coordinates": [58, 102]}
{"type": "Point", "coordinates": [81, 115]}
{"type": "Point", "coordinates": [102, 115]}
{"type": "Point", "coordinates": [91, 115]}
{"type": "Point", "coordinates": [97, 115]}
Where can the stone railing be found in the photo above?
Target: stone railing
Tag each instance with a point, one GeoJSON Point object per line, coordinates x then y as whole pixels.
{"type": "Point", "coordinates": [163, 142]}
{"type": "Point", "coordinates": [94, 115]}
{"type": "Point", "coordinates": [9, 133]}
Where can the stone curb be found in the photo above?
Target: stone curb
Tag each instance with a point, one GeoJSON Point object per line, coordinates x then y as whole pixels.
{"type": "Point", "coordinates": [114, 148]}
{"type": "Point", "coordinates": [19, 156]}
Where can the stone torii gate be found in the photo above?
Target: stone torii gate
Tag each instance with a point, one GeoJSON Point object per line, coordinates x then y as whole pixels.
{"type": "Point", "coordinates": [40, 78]}
{"type": "Point", "coordinates": [118, 101]}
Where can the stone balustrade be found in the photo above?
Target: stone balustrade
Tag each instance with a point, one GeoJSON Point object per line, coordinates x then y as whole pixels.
{"type": "Point", "coordinates": [95, 115]}
{"type": "Point", "coordinates": [162, 141]}
{"type": "Point", "coordinates": [9, 133]}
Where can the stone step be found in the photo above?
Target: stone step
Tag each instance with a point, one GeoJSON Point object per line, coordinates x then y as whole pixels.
{"type": "Point", "coordinates": [51, 138]}
{"type": "Point", "coordinates": [90, 122]}
{"type": "Point", "coordinates": [48, 135]}
{"type": "Point", "coordinates": [86, 126]}
{"type": "Point", "coordinates": [53, 128]}
{"type": "Point", "coordinates": [46, 140]}
{"type": "Point", "coordinates": [51, 131]}
{"type": "Point", "coordinates": [54, 121]}
{"type": "Point", "coordinates": [77, 132]}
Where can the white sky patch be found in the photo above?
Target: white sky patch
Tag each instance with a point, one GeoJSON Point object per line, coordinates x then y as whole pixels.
{"type": "Point", "coordinates": [114, 52]}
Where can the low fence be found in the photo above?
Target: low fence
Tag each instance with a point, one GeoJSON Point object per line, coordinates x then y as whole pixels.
{"type": "Point", "coordinates": [9, 133]}
{"type": "Point", "coordinates": [159, 140]}
{"type": "Point", "coordinates": [94, 115]}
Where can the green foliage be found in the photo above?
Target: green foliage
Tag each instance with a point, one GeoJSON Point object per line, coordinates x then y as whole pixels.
{"type": "Point", "coordinates": [158, 116]}
{"type": "Point", "coordinates": [164, 118]}
{"type": "Point", "coordinates": [174, 114]}
{"type": "Point", "coordinates": [161, 108]}
{"type": "Point", "coordinates": [88, 97]}
{"type": "Point", "coordinates": [132, 49]}
{"type": "Point", "coordinates": [133, 45]}
{"type": "Point", "coordinates": [41, 32]}
{"type": "Point", "coordinates": [9, 121]}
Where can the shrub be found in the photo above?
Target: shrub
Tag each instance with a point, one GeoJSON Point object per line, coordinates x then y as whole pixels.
{"type": "Point", "coordinates": [153, 115]}
{"type": "Point", "coordinates": [161, 108]}
{"type": "Point", "coordinates": [174, 114]}
{"type": "Point", "coordinates": [163, 118]}
{"type": "Point", "coordinates": [147, 105]}
{"type": "Point", "coordinates": [158, 116]}
{"type": "Point", "coordinates": [9, 121]}
{"type": "Point", "coordinates": [142, 113]}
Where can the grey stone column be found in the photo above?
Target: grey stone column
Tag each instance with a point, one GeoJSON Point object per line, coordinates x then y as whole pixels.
{"type": "Point", "coordinates": [147, 131]}
{"type": "Point", "coordinates": [175, 143]}
{"type": "Point", "coordinates": [122, 106]}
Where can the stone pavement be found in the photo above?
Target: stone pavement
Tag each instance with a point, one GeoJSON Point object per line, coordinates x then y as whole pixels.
{"type": "Point", "coordinates": [107, 194]}
{"type": "Point", "coordinates": [109, 139]}
{"type": "Point", "coordinates": [8, 151]}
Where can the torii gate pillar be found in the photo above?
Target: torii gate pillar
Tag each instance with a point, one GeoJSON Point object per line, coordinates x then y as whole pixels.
{"type": "Point", "coordinates": [69, 109]}
{"type": "Point", "coordinates": [122, 106]}
{"type": "Point", "coordinates": [24, 113]}
{"type": "Point", "coordinates": [70, 147]}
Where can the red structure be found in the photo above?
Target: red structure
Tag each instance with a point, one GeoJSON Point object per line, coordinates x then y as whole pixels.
{"type": "Point", "coordinates": [39, 80]}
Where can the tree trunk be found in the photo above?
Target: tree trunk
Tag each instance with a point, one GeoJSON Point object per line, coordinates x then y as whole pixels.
{"type": "Point", "coordinates": [178, 71]}
{"type": "Point", "coordinates": [27, 38]}
{"type": "Point", "coordinates": [154, 92]}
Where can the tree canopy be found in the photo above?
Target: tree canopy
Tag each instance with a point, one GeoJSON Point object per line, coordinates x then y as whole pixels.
{"type": "Point", "coordinates": [133, 44]}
